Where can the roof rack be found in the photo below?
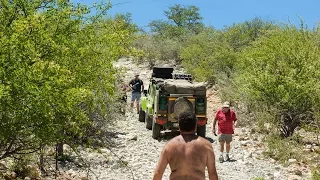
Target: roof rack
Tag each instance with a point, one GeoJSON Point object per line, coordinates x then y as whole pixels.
{"type": "Point", "coordinates": [182, 76]}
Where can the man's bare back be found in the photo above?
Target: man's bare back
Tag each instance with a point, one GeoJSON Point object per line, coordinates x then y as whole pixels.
{"type": "Point", "coordinates": [188, 155]}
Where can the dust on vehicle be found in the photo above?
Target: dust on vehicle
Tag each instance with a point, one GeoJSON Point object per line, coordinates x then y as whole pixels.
{"type": "Point", "coordinates": [168, 95]}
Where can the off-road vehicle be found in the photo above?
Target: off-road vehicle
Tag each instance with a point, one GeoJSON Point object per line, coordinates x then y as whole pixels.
{"type": "Point", "coordinates": [168, 95]}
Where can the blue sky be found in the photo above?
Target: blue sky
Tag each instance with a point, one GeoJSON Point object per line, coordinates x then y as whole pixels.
{"type": "Point", "coordinates": [220, 13]}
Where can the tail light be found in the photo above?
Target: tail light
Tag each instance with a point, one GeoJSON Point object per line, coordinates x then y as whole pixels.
{"type": "Point", "coordinates": [200, 105]}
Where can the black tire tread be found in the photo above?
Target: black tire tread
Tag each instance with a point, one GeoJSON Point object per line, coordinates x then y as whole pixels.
{"type": "Point", "coordinates": [148, 122]}
{"type": "Point", "coordinates": [156, 128]}
{"type": "Point", "coordinates": [142, 115]}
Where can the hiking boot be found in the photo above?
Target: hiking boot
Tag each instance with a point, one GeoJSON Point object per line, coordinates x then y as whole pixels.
{"type": "Point", "coordinates": [227, 158]}
{"type": "Point", "coordinates": [221, 159]}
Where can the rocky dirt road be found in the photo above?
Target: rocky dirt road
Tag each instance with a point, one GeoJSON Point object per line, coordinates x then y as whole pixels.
{"type": "Point", "coordinates": [139, 153]}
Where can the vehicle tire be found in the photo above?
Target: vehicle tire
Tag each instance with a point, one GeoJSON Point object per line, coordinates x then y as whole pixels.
{"type": "Point", "coordinates": [148, 122]}
{"type": "Point", "coordinates": [142, 115]}
{"type": "Point", "coordinates": [201, 131]}
{"type": "Point", "coordinates": [156, 128]}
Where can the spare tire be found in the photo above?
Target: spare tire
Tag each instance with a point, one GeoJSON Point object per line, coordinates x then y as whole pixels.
{"type": "Point", "coordinates": [181, 105]}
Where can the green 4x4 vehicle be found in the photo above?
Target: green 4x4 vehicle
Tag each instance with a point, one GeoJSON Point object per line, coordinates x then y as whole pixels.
{"type": "Point", "coordinates": [167, 96]}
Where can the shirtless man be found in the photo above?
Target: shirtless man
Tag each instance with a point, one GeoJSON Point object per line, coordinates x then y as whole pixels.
{"type": "Point", "coordinates": [188, 155]}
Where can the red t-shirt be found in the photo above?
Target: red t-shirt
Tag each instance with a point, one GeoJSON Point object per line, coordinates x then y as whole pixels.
{"type": "Point", "coordinates": [225, 121]}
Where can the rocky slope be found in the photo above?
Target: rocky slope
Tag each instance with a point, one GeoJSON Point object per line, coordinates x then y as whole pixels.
{"type": "Point", "coordinates": [136, 153]}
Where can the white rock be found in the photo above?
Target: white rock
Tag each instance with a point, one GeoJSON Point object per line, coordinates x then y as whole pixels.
{"type": "Point", "coordinates": [105, 151]}
{"type": "Point", "coordinates": [83, 178]}
{"type": "Point", "coordinates": [245, 143]}
{"type": "Point", "coordinates": [248, 155]}
{"type": "Point", "coordinates": [121, 136]}
{"type": "Point", "coordinates": [276, 175]}
{"type": "Point", "coordinates": [66, 147]}
{"type": "Point", "coordinates": [272, 160]}
{"type": "Point", "coordinates": [71, 172]}
{"type": "Point", "coordinates": [267, 125]}
{"type": "Point", "coordinates": [292, 161]}
{"type": "Point", "coordinates": [298, 172]}
{"type": "Point", "coordinates": [134, 138]}
{"type": "Point", "coordinates": [270, 176]}
{"type": "Point", "coordinates": [294, 177]}
{"type": "Point", "coordinates": [308, 146]}
{"type": "Point", "coordinates": [306, 150]}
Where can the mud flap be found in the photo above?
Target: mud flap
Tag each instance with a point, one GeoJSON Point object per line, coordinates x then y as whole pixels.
{"type": "Point", "coordinates": [142, 115]}
{"type": "Point", "coordinates": [201, 131]}
{"type": "Point", "coordinates": [156, 128]}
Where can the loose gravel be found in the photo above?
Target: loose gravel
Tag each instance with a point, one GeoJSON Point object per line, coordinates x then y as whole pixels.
{"type": "Point", "coordinates": [137, 153]}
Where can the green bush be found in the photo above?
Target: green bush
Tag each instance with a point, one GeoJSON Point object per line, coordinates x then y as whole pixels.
{"type": "Point", "coordinates": [282, 149]}
{"type": "Point", "coordinates": [25, 166]}
{"type": "Point", "coordinates": [280, 72]}
{"type": "Point", "coordinates": [258, 178]}
{"type": "Point", "coordinates": [56, 71]}
{"type": "Point", "coordinates": [207, 56]}
{"type": "Point", "coordinates": [316, 173]}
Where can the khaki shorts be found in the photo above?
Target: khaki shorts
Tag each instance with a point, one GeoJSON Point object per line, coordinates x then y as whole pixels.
{"type": "Point", "coordinates": [225, 137]}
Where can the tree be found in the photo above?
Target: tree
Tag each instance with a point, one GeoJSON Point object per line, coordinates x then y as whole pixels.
{"type": "Point", "coordinates": [171, 34]}
{"type": "Point", "coordinates": [181, 20]}
{"type": "Point", "coordinates": [241, 35]}
{"type": "Point", "coordinates": [208, 55]}
{"type": "Point", "coordinates": [280, 72]}
{"type": "Point", "coordinates": [187, 17]}
{"type": "Point", "coordinates": [56, 70]}
{"type": "Point", "coordinates": [146, 43]}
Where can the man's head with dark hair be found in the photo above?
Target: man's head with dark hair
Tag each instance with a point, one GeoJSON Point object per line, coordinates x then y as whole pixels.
{"type": "Point", "coordinates": [187, 121]}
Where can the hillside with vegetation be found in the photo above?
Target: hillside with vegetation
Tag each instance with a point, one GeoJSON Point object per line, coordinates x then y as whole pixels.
{"type": "Point", "coordinates": [268, 70]}
{"type": "Point", "coordinates": [58, 82]}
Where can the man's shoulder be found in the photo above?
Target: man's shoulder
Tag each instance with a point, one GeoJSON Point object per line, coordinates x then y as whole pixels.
{"type": "Point", "coordinates": [175, 139]}
{"type": "Point", "coordinates": [171, 143]}
{"type": "Point", "coordinates": [204, 140]}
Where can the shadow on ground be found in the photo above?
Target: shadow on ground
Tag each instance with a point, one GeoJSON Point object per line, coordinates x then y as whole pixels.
{"type": "Point", "coordinates": [231, 160]}
{"type": "Point", "coordinates": [168, 135]}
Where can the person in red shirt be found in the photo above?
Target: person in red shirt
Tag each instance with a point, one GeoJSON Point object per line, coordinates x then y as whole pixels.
{"type": "Point", "coordinates": [227, 120]}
